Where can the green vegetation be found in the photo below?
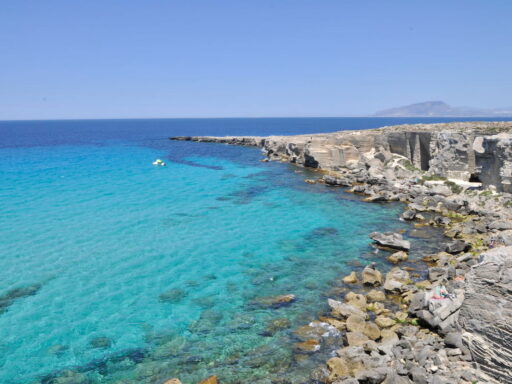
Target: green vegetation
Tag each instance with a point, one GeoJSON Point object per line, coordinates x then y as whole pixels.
{"type": "Point", "coordinates": [454, 186]}
{"type": "Point", "coordinates": [408, 165]}
{"type": "Point", "coordinates": [433, 178]}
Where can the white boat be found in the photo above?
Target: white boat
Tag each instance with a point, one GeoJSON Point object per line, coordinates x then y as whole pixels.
{"type": "Point", "coordinates": [159, 162]}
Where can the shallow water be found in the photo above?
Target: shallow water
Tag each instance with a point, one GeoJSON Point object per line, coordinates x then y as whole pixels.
{"type": "Point", "coordinates": [134, 273]}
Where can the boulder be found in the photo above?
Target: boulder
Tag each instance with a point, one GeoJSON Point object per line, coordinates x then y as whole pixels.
{"type": "Point", "coordinates": [336, 181]}
{"type": "Point", "coordinates": [338, 368]}
{"type": "Point", "coordinates": [209, 380]}
{"type": "Point", "coordinates": [355, 323]}
{"type": "Point", "coordinates": [384, 321]}
{"type": "Point", "coordinates": [409, 214]}
{"type": "Point", "coordinates": [396, 279]}
{"type": "Point", "coordinates": [356, 338]}
{"type": "Point", "coordinates": [390, 240]}
{"type": "Point", "coordinates": [371, 276]}
{"type": "Point", "coordinates": [371, 330]}
{"type": "Point", "coordinates": [457, 246]}
{"type": "Point", "coordinates": [343, 310]}
{"type": "Point", "coordinates": [172, 381]}
{"type": "Point", "coordinates": [356, 299]}
{"type": "Point", "coordinates": [375, 295]}
{"type": "Point", "coordinates": [398, 257]}
{"type": "Point", "coordinates": [350, 279]}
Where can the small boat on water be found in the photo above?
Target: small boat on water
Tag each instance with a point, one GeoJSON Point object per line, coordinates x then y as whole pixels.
{"type": "Point", "coordinates": [159, 163]}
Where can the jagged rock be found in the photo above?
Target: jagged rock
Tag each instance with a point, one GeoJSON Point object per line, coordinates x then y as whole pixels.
{"type": "Point", "coordinates": [343, 310]}
{"type": "Point", "coordinates": [396, 279]}
{"type": "Point", "coordinates": [486, 314]}
{"type": "Point", "coordinates": [338, 368]}
{"type": "Point", "coordinates": [384, 322]}
{"type": "Point", "coordinates": [457, 246]}
{"type": "Point", "coordinates": [350, 279]}
{"type": "Point", "coordinates": [390, 240]}
{"type": "Point", "coordinates": [409, 214]}
{"type": "Point", "coordinates": [398, 257]}
{"type": "Point", "coordinates": [375, 295]}
{"type": "Point", "coordinates": [355, 323]}
{"type": "Point", "coordinates": [356, 338]}
{"type": "Point", "coordinates": [371, 330]}
{"type": "Point", "coordinates": [356, 299]}
{"type": "Point", "coordinates": [371, 276]}
{"type": "Point", "coordinates": [336, 181]}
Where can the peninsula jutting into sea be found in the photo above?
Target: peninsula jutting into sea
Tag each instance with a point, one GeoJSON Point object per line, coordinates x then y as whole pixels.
{"type": "Point", "coordinates": [449, 319]}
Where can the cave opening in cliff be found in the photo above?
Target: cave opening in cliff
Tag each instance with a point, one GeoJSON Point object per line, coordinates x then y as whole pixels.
{"type": "Point", "coordinates": [473, 178]}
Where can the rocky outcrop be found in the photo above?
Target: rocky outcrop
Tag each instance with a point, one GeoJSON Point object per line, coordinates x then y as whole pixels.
{"type": "Point", "coordinates": [486, 313]}
{"type": "Point", "coordinates": [459, 316]}
{"type": "Point", "coordinates": [468, 151]}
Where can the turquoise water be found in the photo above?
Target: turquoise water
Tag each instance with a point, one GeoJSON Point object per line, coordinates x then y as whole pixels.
{"type": "Point", "coordinates": [95, 235]}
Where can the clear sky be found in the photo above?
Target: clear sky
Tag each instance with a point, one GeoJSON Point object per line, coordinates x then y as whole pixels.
{"type": "Point", "coordinates": [215, 58]}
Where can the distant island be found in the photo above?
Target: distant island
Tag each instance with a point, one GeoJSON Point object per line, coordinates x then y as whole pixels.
{"type": "Point", "coordinates": [440, 108]}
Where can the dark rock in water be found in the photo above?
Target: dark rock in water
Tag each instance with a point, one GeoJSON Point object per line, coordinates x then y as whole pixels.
{"type": "Point", "coordinates": [409, 214]}
{"type": "Point", "coordinates": [66, 377]}
{"type": "Point", "coordinates": [273, 301]}
{"type": "Point", "coordinates": [276, 325]}
{"type": "Point", "coordinates": [102, 342]}
{"type": "Point", "coordinates": [323, 231]}
{"type": "Point", "coordinates": [205, 301]}
{"type": "Point", "coordinates": [457, 246]}
{"type": "Point", "coordinates": [57, 349]}
{"type": "Point", "coordinates": [207, 322]}
{"type": "Point", "coordinates": [8, 298]}
{"type": "Point", "coordinates": [173, 295]}
{"type": "Point", "coordinates": [391, 240]}
{"type": "Point", "coordinates": [336, 181]}
{"type": "Point", "coordinates": [210, 276]}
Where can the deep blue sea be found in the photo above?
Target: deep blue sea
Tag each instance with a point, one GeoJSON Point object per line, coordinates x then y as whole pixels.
{"type": "Point", "coordinates": [117, 271]}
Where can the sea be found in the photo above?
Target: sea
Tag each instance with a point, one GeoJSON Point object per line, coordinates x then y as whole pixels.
{"type": "Point", "coordinates": [113, 270]}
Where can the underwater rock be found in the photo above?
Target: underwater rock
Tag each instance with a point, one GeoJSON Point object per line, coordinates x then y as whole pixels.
{"type": "Point", "coordinates": [398, 256]}
{"type": "Point", "coordinates": [68, 377]}
{"type": "Point", "coordinates": [276, 325]}
{"type": "Point", "coordinates": [57, 349]}
{"type": "Point", "coordinates": [308, 346]}
{"type": "Point", "coordinates": [101, 342]}
{"type": "Point", "coordinates": [173, 295]}
{"type": "Point", "coordinates": [273, 301]}
{"type": "Point", "coordinates": [8, 298]}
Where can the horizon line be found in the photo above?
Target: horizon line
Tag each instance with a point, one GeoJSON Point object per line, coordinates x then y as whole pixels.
{"type": "Point", "coordinates": [249, 117]}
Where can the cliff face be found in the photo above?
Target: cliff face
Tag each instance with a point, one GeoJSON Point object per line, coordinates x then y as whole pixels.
{"type": "Point", "coordinates": [471, 151]}
{"type": "Point", "coordinates": [464, 151]}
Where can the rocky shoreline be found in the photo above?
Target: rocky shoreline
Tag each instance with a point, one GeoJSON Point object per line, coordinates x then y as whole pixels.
{"type": "Point", "coordinates": [456, 325]}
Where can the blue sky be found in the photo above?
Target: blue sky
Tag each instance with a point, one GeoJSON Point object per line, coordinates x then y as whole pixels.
{"type": "Point", "coordinates": [152, 58]}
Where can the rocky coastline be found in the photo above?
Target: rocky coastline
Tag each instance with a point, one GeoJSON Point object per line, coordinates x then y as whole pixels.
{"type": "Point", "coordinates": [455, 326]}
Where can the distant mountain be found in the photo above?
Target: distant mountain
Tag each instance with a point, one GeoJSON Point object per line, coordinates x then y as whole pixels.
{"type": "Point", "coordinates": [440, 108]}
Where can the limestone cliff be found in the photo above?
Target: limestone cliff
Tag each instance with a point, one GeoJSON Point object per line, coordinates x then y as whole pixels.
{"type": "Point", "coordinates": [467, 151]}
